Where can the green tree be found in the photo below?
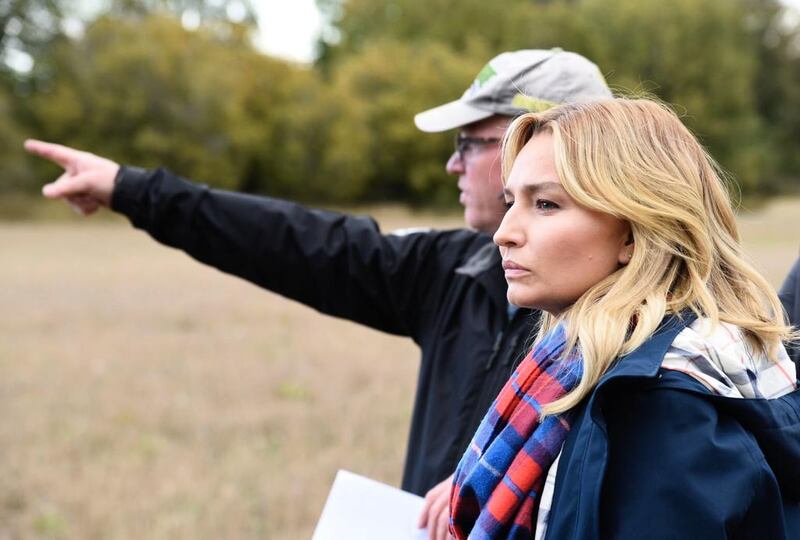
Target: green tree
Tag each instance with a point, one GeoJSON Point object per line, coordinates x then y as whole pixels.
{"type": "Point", "coordinates": [465, 26]}
{"type": "Point", "coordinates": [236, 11]}
{"type": "Point", "coordinates": [142, 87]}
{"type": "Point", "coordinates": [151, 92]}
{"type": "Point", "coordinates": [374, 150]}
{"type": "Point", "coordinates": [26, 26]}
{"type": "Point", "coordinates": [778, 83]}
{"type": "Point", "coordinates": [699, 56]}
{"type": "Point", "coordinates": [15, 174]}
{"type": "Point", "coordinates": [709, 58]}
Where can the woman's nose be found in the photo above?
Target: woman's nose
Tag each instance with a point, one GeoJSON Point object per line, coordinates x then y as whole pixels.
{"type": "Point", "coordinates": [508, 233]}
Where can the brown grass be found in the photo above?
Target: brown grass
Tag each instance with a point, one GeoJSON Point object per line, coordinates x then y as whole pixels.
{"type": "Point", "coordinates": [147, 396]}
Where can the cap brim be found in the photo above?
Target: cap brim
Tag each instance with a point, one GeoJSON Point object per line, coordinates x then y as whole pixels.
{"type": "Point", "coordinates": [449, 116]}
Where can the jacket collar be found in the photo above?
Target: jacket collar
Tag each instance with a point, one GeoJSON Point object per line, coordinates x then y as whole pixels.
{"type": "Point", "coordinates": [645, 361]}
{"type": "Point", "coordinates": [774, 423]}
{"type": "Point", "coordinates": [484, 259]}
{"type": "Point", "coordinates": [485, 267]}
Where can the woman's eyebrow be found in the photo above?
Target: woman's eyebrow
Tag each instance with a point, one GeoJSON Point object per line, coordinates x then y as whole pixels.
{"type": "Point", "coordinates": [533, 188]}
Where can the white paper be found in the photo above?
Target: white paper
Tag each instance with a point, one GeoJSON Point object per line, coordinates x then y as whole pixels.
{"type": "Point", "coordinates": [362, 509]}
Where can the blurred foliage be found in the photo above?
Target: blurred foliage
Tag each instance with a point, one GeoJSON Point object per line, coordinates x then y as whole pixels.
{"type": "Point", "coordinates": [466, 26]}
{"type": "Point", "coordinates": [153, 93]}
{"type": "Point", "coordinates": [178, 83]}
{"type": "Point", "coordinates": [205, 12]}
{"type": "Point", "coordinates": [729, 67]}
{"type": "Point", "coordinates": [12, 162]}
{"type": "Point", "coordinates": [27, 25]}
{"type": "Point", "coordinates": [698, 56]}
{"type": "Point", "coordinates": [373, 144]}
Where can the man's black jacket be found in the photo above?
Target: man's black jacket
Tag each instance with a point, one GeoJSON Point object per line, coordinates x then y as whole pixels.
{"type": "Point", "coordinates": [443, 289]}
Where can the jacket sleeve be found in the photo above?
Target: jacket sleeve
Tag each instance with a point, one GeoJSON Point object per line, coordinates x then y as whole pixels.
{"type": "Point", "coordinates": [790, 298]}
{"type": "Point", "coordinates": [790, 294]}
{"type": "Point", "coordinates": [678, 469]}
{"type": "Point", "coordinates": [336, 263]}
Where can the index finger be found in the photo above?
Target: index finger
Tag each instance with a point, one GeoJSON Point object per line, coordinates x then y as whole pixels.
{"type": "Point", "coordinates": [62, 155]}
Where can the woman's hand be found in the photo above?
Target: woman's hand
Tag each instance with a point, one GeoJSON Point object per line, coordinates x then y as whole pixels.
{"type": "Point", "coordinates": [436, 511]}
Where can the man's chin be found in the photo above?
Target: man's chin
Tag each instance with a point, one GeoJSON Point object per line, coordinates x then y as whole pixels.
{"type": "Point", "coordinates": [473, 220]}
{"type": "Point", "coordinates": [479, 222]}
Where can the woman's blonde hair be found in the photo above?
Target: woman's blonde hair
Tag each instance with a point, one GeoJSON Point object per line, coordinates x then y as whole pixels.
{"type": "Point", "coordinates": [634, 159]}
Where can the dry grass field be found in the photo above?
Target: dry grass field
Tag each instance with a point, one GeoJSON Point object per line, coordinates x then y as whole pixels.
{"type": "Point", "coordinates": [147, 396]}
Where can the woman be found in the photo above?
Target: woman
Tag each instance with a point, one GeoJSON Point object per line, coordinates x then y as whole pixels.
{"type": "Point", "coordinates": [648, 406]}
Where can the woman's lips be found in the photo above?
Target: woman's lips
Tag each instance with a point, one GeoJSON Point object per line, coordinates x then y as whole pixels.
{"type": "Point", "coordinates": [513, 270]}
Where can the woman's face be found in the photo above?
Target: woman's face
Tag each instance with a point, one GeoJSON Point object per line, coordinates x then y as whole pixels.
{"type": "Point", "coordinates": [553, 250]}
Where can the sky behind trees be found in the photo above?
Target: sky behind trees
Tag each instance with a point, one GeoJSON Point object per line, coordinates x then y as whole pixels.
{"type": "Point", "coordinates": [288, 29]}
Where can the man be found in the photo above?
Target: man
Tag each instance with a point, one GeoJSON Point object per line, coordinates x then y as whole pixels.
{"type": "Point", "coordinates": [790, 297]}
{"type": "Point", "coordinates": [444, 289]}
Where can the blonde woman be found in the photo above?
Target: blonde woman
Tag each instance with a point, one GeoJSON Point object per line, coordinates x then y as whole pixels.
{"type": "Point", "coordinates": [658, 400]}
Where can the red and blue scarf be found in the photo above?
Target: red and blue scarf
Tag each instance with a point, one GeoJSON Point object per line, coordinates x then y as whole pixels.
{"type": "Point", "coordinates": [499, 480]}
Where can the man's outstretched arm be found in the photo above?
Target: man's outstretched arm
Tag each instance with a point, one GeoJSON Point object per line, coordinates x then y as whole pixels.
{"type": "Point", "coordinates": [336, 263]}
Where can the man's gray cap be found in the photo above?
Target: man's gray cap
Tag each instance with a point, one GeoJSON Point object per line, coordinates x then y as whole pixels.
{"type": "Point", "coordinates": [517, 82]}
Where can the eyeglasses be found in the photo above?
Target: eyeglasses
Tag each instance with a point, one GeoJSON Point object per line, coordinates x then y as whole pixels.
{"type": "Point", "coordinates": [466, 144]}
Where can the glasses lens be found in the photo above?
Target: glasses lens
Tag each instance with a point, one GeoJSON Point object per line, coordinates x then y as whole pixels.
{"type": "Point", "coordinates": [462, 146]}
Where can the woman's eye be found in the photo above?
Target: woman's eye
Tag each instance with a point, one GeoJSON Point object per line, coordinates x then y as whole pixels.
{"type": "Point", "coordinates": [544, 204]}
{"type": "Point", "coordinates": [509, 204]}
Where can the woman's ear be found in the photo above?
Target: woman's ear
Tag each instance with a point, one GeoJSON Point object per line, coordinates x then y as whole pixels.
{"type": "Point", "coordinates": [626, 251]}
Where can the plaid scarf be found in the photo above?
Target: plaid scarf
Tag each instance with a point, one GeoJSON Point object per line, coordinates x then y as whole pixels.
{"type": "Point", "coordinates": [499, 480]}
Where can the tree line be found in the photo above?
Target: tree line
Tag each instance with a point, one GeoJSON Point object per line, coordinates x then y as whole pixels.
{"type": "Point", "coordinates": [178, 83]}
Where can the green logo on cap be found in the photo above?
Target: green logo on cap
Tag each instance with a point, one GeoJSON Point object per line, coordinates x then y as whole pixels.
{"type": "Point", "coordinates": [485, 74]}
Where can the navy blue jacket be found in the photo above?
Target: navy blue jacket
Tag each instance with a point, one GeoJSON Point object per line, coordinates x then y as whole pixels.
{"type": "Point", "coordinates": [654, 455]}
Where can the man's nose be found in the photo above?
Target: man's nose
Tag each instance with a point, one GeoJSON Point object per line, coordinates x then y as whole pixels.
{"type": "Point", "coordinates": [455, 165]}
